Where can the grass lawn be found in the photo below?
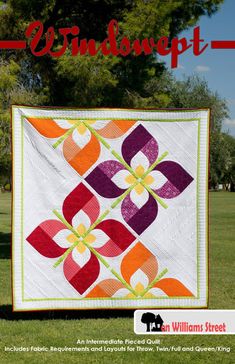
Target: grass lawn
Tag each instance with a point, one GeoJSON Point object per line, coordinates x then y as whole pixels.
{"type": "Point", "coordinates": [63, 329]}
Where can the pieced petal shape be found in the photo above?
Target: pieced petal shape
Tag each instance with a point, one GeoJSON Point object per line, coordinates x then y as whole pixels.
{"type": "Point", "coordinates": [81, 199]}
{"type": "Point", "coordinates": [139, 219]}
{"type": "Point", "coordinates": [100, 238]}
{"type": "Point", "coordinates": [119, 238]}
{"type": "Point", "coordinates": [81, 220]}
{"type": "Point", "coordinates": [81, 254]}
{"type": "Point", "coordinates": [47, 127]}
{"type": "Point", "coordinates": [123, 179]}
{"type": "Point", "coordinates": [140, 163]}
{"type": "Point", "coordinates": [139, 279]}
{"type": "Point", "coordinates": [101, 179]}
{"type": "Point", "coordinates": [139, 257]}
{"type": "Point", "coordinates": [139, 197]}
{"type": "Point", "coordinates": [178, 179]}
{"type": "Point", "coordinates": [106, 288]}
{"type": "Point", "coordinates": [61, 238]}
{"type": "Point", "coordinates": [81, 277]}
{"type": "Point", "coordinates": [42, 238]}
{"type": "Point", "coordinates": [81, 159]}
{"type": "Point", "coordinates": [97, 123]}
{"type": "Point", "coordinates": [157, 180]}
{"type": "Point", "coordinates": [81, 136]}
{"type": "Point", "coordinates": [140, 140]}
{"type": "Point", "coordinates": [173, 287]}
{"type": "Point", "coordinates": [65, 123]}
{"type": "Point", "coordinates": [115, 128]}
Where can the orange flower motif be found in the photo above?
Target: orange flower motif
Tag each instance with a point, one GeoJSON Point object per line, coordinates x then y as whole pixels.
{"type": "Point", "coordinates": [80, 144]}
{"type": "Point", "coordinates": [139, 270]}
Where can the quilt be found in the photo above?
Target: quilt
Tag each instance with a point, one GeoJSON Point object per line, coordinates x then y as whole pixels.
{"type": "Point", "coordinates": [110, 208]}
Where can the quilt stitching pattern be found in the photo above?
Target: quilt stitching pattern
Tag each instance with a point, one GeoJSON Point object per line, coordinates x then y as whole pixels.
{"type": "Point", "coordinates": [127, 180]}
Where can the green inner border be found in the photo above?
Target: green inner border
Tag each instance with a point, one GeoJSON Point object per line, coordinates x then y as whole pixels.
{"type": "Point", "coordinates": [100, 298]}
{"type": "Point", "coordinates": [197, 189]}
{"type": "Point", "coordinates": [22, 219]}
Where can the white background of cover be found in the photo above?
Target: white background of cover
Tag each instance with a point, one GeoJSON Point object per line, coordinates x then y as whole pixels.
{"type": "Point", "coordinates": [35, 209]}
{"type": "Point", "coordinates": [192, 317]}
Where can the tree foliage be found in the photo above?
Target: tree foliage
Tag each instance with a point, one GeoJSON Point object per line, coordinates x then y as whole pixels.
{"type": "Point", "coordinates": [130, 81]}
{"type": "Point", "coordinates": [137, 19]}
{"type": "Point", "coordinates": [221, 159]}
{"type": "Point", "coordinates": [194, 91]}
{"type": "Point", "coordinates": [12, 91]}
{"type": "Point", "coordinates": [89, 80]}
{"type": "Point", "coordinates": [228, 177]}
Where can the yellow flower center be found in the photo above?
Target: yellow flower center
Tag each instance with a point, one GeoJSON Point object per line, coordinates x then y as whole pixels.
{"type": "Point", "coordinates": [139, 289]}
{"type": "Point", "coordinates": [139, 171]}
{"type": "Point", "coordinates": [81, 127]}
{"type": "Point", "coordinates": [89, 239]}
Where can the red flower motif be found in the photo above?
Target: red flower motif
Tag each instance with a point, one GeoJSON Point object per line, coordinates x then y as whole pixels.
{"type": "Point", "coordinates": [90, 235]}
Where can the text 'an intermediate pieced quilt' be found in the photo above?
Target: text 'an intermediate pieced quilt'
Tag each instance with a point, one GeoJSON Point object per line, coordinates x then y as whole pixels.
{"type": "Point", "coordinates": [109, 208]}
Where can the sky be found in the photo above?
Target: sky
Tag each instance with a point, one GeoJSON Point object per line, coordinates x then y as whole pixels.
{"type": "Point", "coordinates": [215, 65]}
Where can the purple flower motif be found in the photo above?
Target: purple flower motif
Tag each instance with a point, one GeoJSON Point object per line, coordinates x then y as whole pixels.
{"type": "Point", "coordinates": [166, 179]}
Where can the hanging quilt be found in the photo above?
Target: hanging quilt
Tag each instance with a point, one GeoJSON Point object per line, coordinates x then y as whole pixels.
{"type": "Point", "coordinates": [109, 208]}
